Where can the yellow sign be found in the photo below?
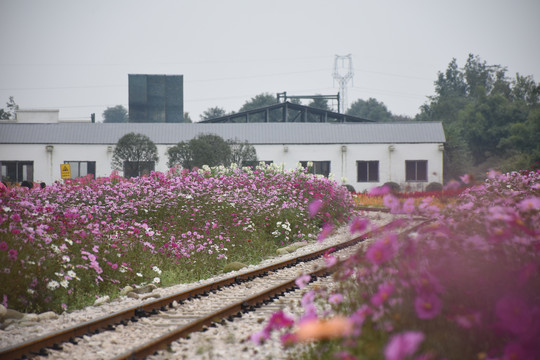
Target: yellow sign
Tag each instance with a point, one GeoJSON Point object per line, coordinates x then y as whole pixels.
{"type": "Point", "coordinates": [65, 170]}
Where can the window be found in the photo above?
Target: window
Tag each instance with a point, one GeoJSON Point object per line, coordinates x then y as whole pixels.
{"type": "Point", "coordinates": [416, 170]}
{"type": "Point", "coordinates": [81, 168]}
{"type": "Point", "coordinates": [17, 171]}
{"type": "Point", "coordinates": [367, 171]}
{"type": "Point", "coordinates": [318, 167]}
{"type": "Point", "coordinates": [138, 168]}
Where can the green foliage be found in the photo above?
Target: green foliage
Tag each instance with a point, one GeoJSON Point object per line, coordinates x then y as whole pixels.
{"type": "Point", "coordinates": [211, 150]}
{"type": "Point", "coordinates": [187, 118]}
{"type": "Point", "coordinates": [117, 114]}
{"type": "Point", "coordinates": [259, 101]}
{"type": "Point", "coordinates": [370, 109]}
{"type": "Point", "coordinates": [319, 103]}
{"type": "Point", "coordinates": [213, 113]}
{"type": "Point", "coordinates": [206, 149]}
{"type": "Point", "coordinates": [242, 153]}
{"type": "Point", "coordinates": [490, 121]}
{"type": "Point", "coordinates": [137, 150]}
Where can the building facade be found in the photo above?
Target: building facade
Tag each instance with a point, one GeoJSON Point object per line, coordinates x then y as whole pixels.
{"type": "Point", "coordinates": [363, 155]}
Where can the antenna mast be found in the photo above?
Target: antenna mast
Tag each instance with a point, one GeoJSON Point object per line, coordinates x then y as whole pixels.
{"type": "Point", "coordinates": [343, 72]}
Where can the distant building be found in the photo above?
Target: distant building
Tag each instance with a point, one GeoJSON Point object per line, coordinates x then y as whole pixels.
{"type": "Point", "coordinates": [156, 98]}
{"type": "Point", "coordinates": [367, 154]}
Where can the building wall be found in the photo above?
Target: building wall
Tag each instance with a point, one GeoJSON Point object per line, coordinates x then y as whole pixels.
{"type": "Point", "coordinates": [343, 158]}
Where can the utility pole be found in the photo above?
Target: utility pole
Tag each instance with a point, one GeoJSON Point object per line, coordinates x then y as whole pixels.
{"type": "Point", "coordinates": [343, 72]}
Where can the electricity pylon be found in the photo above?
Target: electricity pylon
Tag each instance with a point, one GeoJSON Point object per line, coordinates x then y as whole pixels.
{"type": "Point", "coordinates": [343, 72]}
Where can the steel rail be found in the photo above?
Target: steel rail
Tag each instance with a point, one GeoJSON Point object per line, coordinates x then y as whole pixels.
{"type": "Point", "coordinates": [162, 342]}
{"type": "Point", "coordinates": [55, 339]}
{"type": "Point", "coordinates": [236, 309]}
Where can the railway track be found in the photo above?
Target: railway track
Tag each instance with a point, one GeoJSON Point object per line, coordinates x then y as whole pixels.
{"type": "Point", "coordinates": [154, 325]}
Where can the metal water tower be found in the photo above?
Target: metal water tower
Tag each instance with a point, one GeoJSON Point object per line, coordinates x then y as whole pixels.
{"type": "Point", "coordinates": [343, 72]}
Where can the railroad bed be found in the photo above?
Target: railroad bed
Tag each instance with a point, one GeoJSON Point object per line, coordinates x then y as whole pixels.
{"type": "Point", "coordinates": [138, 327]}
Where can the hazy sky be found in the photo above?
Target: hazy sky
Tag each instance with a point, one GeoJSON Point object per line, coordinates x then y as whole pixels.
{"type": "Point", "coordinates": [76, 55]}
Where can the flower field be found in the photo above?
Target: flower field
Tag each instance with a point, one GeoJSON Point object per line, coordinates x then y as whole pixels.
{"type": "Point", "coordinates": [62, 246]}
{"type": "Point", "coordinates": [467, 286]}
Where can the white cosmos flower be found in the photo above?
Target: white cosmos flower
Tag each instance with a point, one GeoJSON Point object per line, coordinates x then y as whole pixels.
{"type": "Point", "coordinates": [156, 280]}
{"type": "Point", "coordinates": [53, 285]}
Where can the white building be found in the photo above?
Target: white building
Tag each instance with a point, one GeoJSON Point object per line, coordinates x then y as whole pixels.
{"type": "Point", "coordinates": [35, 146]}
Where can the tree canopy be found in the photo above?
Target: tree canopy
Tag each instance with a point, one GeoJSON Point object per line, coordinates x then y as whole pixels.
{"type": "Point", "coordinates": [370, 109]}
{"type": "Point", "coordinates": [135, 154]}
{"type": "Point", "coordinates": [116, 114]}
{"type": "Point", "coordinates": [491, 121]}
{"type": "Point", "coordinates": [211, 150]}
{"type": "Point", "coordinates": [259, 101]}
{"type": "Point", "coordinates": [213, 113]}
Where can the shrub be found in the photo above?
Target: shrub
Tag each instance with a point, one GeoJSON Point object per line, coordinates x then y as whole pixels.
{"type": "Point", "coordinates": [434, 186]}
{"type": "Point", "coordinates": [394, 187]}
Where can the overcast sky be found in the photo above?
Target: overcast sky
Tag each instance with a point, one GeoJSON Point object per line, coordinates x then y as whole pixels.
{"type": "Point", "coordinates": [76, 55]}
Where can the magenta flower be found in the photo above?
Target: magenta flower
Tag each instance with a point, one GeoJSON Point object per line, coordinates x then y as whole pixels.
{"type": "Point", "coordinates": [427, 305]}
{"type": "Point", "coordinates": [260, 336]}
{"type": "Point", "coordinates": [12, 254]}
{"type": "Point", "coordinates": [335, 299]}
{"type": "Point", "coordinates": [379, 190]}
{"type": "Point", "coordinates": [383, 293]}
{"type": "Point", "coordinates": [314, 207]}
{"type": "Point", "coordinates": [326, 230]}
{"type": "Point", "coordinates": [4, 246]}
{"type": "Point", "coordinates": [302, 280]}
{"type": "Point", "coordinates": [279, 320]}
{"type": "Point", "coordinates": [382, 250]}
{"type": "Point", "coordinates": [514, 314]}
{"type": "Point", "coordinates": [403, 345]}
{"type": "Point", "coordinates": [358, 225]}
{"type": "Point", "coordinates": [529, 204]}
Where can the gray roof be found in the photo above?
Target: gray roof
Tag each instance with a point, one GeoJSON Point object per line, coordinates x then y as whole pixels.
{"type": "Point", "coordinates": [254, 133]}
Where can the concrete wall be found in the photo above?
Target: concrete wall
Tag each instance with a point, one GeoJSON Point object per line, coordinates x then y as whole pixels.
{"type": "Point", "coordinates": [343, 158]}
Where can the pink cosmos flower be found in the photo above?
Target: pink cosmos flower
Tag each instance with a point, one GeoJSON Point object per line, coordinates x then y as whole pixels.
{"type": "Point", "coordinates": [514, 314]}
{"type": "Point", "coordinates": [467, 178]}
{"type": "Point", "coordinates": [391, 202]}
{"type": "Point", "coordinates": [12, 254]}
{"type": "Point", "coordinates": [314, 207]}
{"type": "Point", "coordinates": [330, 260]}
{"type": "Point", "coordinates": [279, 320]}
{"type": "Point", "coordinates": [326, 230]}
{"type": "Point", "coordinates": [302, 280]}
{"type": "Point", "coordinates": [529, 204]}
{"type": "Point", "coordinates": [359, 224]}
{"type": "Point", "coordinates": [403, 345]}
{"type": "Point", "coordinates": [427, 305]}
{"type": "Point", "coordinates": [383, 293]}
{"type": "Point", "coordinates": [379, 190]}
{"type": "Point", "coordinates": [381, 251]}
{"type": "Point", "coordinates": [335, 299]}
{"type": "Point", "coordinates": [4, 246]}
{"type": "Point", "coordinates": [260, 336]}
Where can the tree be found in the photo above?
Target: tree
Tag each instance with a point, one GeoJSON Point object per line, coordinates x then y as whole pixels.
{"type": "Point", "coordinates": [213, 113]}
{"type": "Point", "coordinates": [180, 154]}
{"type": "Point", "coordinates": [259, 101]}
{"type": "Point", "coordinates": [187, 118]}
{"type": "Point", "coordinates": [117, 114]}
{"type": "Point", "coordinates": [319, 103]}
{"type": "Point", "coordinates": [242, 153]}
{"type": "Point", "coordinates": [490, 121]}
{"type": "Point", "coordinates": [370, 109]}
{"type": "Point", "coordinates": [206, 149]}
{"type": "Point", "coordinates": [135, 154]}
{"type": "Point", "coordinates": [10, 113]}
